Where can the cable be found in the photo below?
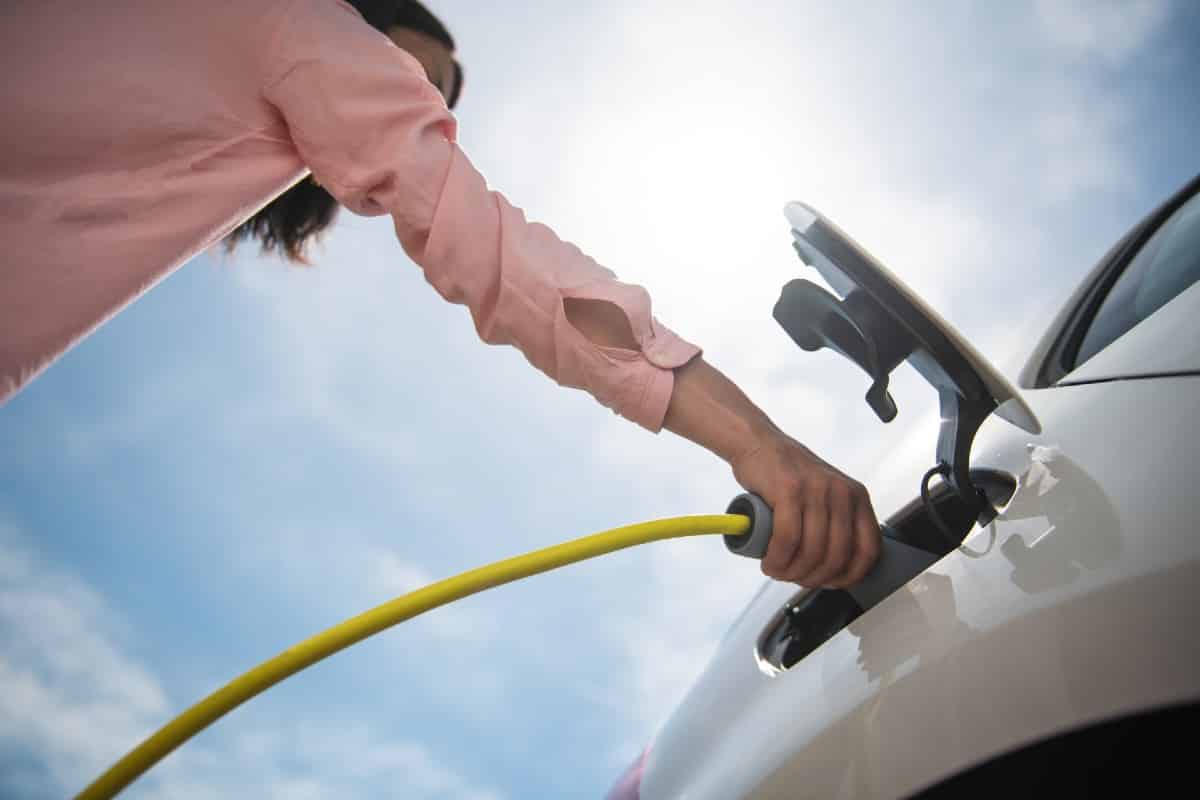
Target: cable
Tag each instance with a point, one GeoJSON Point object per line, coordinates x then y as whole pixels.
{"type": "Point", "coordinates": [943, 470]}
{"type": "Point", "coordinates": [355, 629]}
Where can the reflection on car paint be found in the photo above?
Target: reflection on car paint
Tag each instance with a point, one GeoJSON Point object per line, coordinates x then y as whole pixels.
{"type": "Point", "coordinates": [1081, 529]}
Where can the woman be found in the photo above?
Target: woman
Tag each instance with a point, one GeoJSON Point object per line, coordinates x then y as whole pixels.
{"type": "Point", "coordinates": [303, 212]}
{"type": "Point", "coordinates": [140, 132]}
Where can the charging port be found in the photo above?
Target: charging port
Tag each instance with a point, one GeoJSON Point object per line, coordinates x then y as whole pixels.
{"type": "Point", "coordinates": [811, 617]}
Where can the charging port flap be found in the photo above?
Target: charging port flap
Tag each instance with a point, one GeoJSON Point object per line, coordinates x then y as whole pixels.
{"type": "Point", "coordinates": [877, 323]}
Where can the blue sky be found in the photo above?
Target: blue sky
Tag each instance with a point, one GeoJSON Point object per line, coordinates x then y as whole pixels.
{"type": "Point", "coordinates": [254, 452]}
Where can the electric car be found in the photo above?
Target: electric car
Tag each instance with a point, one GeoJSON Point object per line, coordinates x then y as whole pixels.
{"type": "Point", "coordinates": [1039, 627]}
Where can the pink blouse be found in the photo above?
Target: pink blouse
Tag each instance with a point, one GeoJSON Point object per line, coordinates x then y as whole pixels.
{"type": "Point", "coordinates": [138, 133]}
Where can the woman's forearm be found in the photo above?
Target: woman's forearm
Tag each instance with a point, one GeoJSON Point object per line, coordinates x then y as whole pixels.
{"type": "Point", "coordinates": [710, 410]}
{"type": "Point", "coordinates": [824, 531]}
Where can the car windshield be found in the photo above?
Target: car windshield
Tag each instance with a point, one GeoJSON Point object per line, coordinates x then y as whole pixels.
{"type": "Point", "coordinates": [1167, 265]}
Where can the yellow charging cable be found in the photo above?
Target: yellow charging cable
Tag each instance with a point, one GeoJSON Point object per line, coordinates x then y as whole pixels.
{"type": "Point", "coordinates": [355, 629]}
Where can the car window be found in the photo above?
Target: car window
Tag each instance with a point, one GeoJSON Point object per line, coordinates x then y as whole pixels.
{"type": "Point", "coordinates": [1166, 265]}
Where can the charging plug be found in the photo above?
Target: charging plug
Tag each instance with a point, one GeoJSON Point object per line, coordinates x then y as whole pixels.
{"type": "Point", "coordinates": [752, 544]}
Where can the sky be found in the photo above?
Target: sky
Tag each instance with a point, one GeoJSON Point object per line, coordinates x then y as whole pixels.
{"type": "Point", "coordinates": [253, 451]}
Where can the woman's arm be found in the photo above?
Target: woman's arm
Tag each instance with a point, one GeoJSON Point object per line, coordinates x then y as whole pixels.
{"type": "Point", "coordinates": [379, 137]}
{"type": "Point", "coordinates": [825, 531]}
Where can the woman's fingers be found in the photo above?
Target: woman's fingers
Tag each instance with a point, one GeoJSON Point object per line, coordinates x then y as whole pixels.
{"type": "Point", "coordinates": [839, 538]}
{"type": "Point", "coordinates": [814, 537]}
{"type": "Point", "coordinates": [787, 521]}
{"type": "Point", "coordinates": [866, 547]}
{"type": "Point", "coordinates": [824, 533]}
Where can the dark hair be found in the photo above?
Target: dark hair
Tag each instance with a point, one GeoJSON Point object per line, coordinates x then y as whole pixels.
{"type": "Point", "coordinates": [304, 211]}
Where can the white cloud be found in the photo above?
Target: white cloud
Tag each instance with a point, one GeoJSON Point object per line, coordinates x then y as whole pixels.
{"type": "Point", "coordinates": [310, 760]}
{"type": "Point", "coordinates": [391, 575]}
{"type": "Point", "coordinates": [1111, 30]}
{"type": "Point", "coordinates": [73, 701]}
{"type": "Point", "coordinates": [151, 410]}
{"type": "Point", "coordinates": [385, 575]}
{"type": "Point", "coordinates": [67, 691]}
{"type": "Point", "coordinates": [356, 571]}
{"type": "Point", "coordinates": [1075, 140]}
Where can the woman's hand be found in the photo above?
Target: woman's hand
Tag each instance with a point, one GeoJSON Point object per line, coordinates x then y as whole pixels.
{"type": "Point", "coordinates": [825, 532]}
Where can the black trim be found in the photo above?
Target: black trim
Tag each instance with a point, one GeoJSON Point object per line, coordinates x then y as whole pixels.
{"type": "Point", "coordinates": [1060, 359]}
{"type": "Point", "coordinates": [1147, 376]}
{"type": "Point", "coordinates": [1146, 754]}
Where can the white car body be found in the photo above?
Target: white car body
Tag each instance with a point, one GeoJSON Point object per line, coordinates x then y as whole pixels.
{"type": "Point", "coordinates": [1076, 605]}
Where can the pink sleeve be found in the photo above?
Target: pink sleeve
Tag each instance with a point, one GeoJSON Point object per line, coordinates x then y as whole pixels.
{"type": "Point", "coordinates": [378, 135]}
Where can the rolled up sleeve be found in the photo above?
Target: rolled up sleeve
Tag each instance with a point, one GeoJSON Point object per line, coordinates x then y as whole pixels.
{"type": "Point", "coordinates": [378, 135]}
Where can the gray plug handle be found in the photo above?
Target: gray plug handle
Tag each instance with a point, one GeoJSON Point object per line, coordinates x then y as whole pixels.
{"type": "Point", "coordinates": [898, 562]}
{"type": "Point", "coordinates": [754, 543]}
